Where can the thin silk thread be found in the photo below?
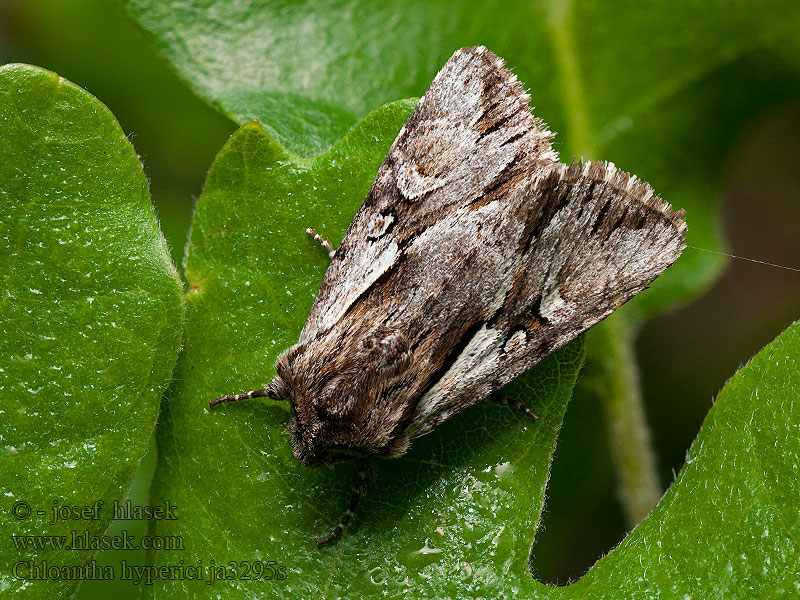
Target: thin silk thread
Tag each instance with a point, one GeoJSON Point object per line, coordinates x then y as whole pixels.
{"type": "Point", "coordinates": [761, 262]}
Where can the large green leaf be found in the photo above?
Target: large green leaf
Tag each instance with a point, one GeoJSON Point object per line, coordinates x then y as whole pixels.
{"type": "Point", "coordinates": [90, 319]}
{"type": "Point", "coordinates": [660, 89]}
{"type": "Point", "coordinates": [729, 527]}
{"type": "Point", "coordinates": [311, 70]}
{"type": "Point", "coordinates": [461, 507]}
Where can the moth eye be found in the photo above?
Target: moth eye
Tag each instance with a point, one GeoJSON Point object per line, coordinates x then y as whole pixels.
{"type": "Point", "coordinates": [295, 424]}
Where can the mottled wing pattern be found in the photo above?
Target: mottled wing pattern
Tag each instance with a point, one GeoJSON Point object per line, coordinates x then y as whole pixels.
{"type": "Point", "coordinates": [594, 237]}
{"type": "Point", "coordinates": [475, 255]}
{"type": "Point", "coordinates": [470, 139]}
{"type": "Point", "coordinates": [397, 295]}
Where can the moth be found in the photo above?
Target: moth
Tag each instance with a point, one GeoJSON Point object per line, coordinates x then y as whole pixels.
{"type": "Point", "coordinates": [475, 255]}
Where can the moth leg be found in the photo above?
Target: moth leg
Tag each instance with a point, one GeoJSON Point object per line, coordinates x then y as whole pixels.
{"type": "Point", "coordinates": [500, 399]}
{"type": "Point", "coordinates": [343, 522]}
{"type": "Point", "coordinates": [363, 477]}
{"type": "Point", "coordinates": [322, 242]}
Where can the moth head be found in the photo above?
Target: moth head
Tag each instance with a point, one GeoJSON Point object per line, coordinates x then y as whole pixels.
{"type": "Point", "coordinates": [320, 447]}
{"type": "Point", "coordinates": [338, 397]}
{"type": "Point", "coordinates": [317, 438]}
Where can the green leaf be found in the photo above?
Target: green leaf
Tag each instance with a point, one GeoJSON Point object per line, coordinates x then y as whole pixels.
{"type": "Point", "coordinates": [90, 319]}
{"type": "Point", "coordinates": [660, 89]}
{"type": "Point", "coordinates": [729, 525]}
{"type": "Point", "coordinates": [459, 511]}
{"type": "Point", "coordinates": [318, 67]}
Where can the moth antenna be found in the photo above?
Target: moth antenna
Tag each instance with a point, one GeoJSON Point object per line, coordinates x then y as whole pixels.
{"type": "Point", "coordinates": [363, 477]}
{"type": "Point", "coordinates": [277, 390]}
{"type": "Point", "coordinates": [322, 242]}
{"type": "Point", "coordinates": [237, 397]}
{"type": "Point", "coordinates": [500, 399]}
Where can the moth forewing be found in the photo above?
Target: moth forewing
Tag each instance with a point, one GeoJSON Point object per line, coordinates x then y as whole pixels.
{"type": "Point", "coordinates": [475, 255]}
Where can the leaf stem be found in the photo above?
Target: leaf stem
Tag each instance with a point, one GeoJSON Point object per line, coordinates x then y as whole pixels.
{"type": "Point", "coordinates": [628, 433]}
{"type": "Point", "coordinates": [560, 24]}
{"type": "Point", "coordinates": [629, 441]}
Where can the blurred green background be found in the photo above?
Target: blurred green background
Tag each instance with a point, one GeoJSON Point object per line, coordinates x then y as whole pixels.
{"type": "Point", "coordinates": [685, 356]}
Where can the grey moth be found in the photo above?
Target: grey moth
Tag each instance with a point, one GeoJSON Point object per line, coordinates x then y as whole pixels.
{"type": "Point", "coordinates": [475, 255]}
